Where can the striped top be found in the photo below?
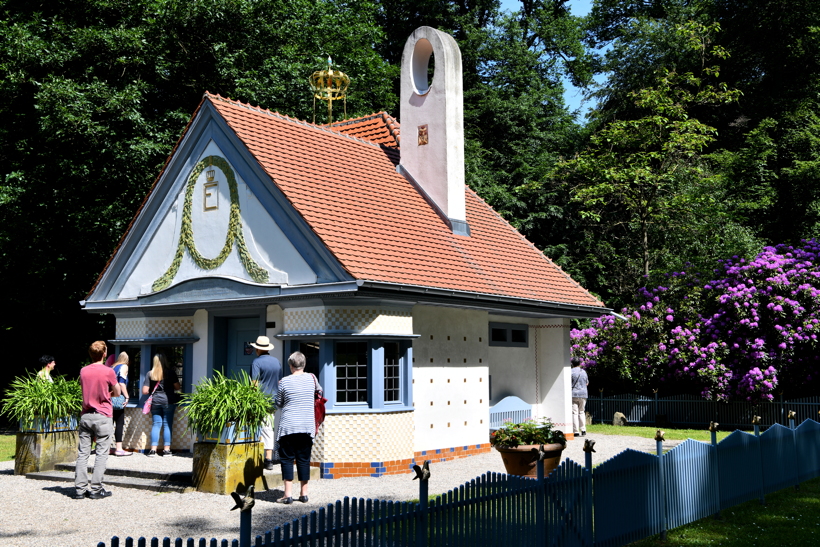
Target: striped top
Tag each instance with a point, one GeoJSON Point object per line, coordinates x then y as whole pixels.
{"type": "Point", "coordinates": [295, 398]}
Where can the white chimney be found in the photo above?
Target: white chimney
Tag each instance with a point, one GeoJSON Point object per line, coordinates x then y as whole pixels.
{"type": "Point", "coordinates": [432, 123]}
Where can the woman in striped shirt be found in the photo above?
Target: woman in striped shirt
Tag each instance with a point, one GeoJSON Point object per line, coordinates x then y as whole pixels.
{"type": "Point", "coordinates": [297, 426]}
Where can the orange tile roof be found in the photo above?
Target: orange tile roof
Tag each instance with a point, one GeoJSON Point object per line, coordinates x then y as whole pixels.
{"type": "Point", "coordinates": [380, 128]}
{"type": "Point", "coordinates": [378, 225]}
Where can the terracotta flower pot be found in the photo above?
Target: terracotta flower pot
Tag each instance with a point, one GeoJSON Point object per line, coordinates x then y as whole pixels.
{"type": "Point", "coordinates": [520, 460]}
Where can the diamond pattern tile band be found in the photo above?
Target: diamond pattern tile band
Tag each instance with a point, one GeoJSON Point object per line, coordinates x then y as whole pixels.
{"type": "Point", "coordinates": [348, 320]}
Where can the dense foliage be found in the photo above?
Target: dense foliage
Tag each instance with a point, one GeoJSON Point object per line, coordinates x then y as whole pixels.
{"type": "Point", "coordinates": [703, 143]}
{"type": "Point", "coordinates": [749, 332]}
{"type": "Point", "coordinates": [32, 397]}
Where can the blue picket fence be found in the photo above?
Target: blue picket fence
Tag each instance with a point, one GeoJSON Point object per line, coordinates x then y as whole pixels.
{"type": "Point", "coordinates": [624, 499]}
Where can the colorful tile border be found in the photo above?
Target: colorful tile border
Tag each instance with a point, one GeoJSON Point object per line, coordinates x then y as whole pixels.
{"type": "Point", "coordinates": [331, 470]}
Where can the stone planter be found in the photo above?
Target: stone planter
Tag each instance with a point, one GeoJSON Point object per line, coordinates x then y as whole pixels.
{"type": "Point", "coordinates": [41, 425]}
{"type": "Point", "coordinates": [520, 460]}
{"type": "Point", "coordinates": [221, 468]}
{"type": "Point", "coordinates": [43, 451]}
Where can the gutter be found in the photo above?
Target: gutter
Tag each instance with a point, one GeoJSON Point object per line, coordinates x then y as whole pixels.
{"type": "Point", "coordinates": [417, 290]}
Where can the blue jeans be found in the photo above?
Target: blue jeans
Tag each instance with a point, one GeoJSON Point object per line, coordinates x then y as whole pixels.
{"type": "Point", "coordinates": [163, 417]}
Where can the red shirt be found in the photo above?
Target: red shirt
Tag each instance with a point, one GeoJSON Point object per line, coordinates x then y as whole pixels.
{"type": "Point", "coordinates": [97, 381]}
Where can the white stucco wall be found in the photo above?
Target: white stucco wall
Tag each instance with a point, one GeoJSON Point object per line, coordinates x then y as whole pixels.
{"type": "Point", "coordinates": [458, 338]}
{"type": "Point", "coordinates": [265, 241]}
{"type": "Point", "coordinates": [539, 373]}
{"type": "Point", "coordinates": [451, 407]}
{"type": "Point", "coordinates": [276, 315]}
{"type": "Point", "coordinates": [199, 359]}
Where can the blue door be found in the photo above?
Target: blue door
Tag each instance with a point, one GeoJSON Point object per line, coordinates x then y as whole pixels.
{"type": "Point", "coordinates": [240, 354]}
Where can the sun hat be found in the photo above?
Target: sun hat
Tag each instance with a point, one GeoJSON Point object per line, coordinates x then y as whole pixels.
{"type": "Point", "coordinates": [263, 343]}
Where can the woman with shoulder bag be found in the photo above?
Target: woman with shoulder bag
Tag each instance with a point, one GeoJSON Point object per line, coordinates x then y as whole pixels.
{"type": "Point", "coordinates": [161, 383]}
{"type": "Point", "coordinates": [297, 426]}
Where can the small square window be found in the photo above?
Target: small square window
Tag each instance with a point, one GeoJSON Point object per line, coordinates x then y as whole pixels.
{"type": "Point", "coordinates": [509, 335]}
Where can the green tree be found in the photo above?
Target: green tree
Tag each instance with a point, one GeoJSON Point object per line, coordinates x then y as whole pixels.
{"type": "Point", "coordinates": [643, 179]}
{"type": "Point", "coordinates": [96, 92]}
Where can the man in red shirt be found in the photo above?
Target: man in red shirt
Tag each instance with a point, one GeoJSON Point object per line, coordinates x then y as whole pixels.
{"type": "Point", "coordinates": [99, 384]}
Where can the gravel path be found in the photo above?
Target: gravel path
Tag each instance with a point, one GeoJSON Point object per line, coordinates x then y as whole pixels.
{"type": "Point", "coordinates": [38, 513]}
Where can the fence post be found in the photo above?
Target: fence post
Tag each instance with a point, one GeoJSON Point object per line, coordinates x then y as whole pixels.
{"type": "Point", "coordinates": [661, 483]}
{"type": "Point", "coordinates": [601, 399]}
{"type": "Point", "coordinates": [656, 406]}
{"type": "Point", "coordinates": [423, 474]}
{"type": "Point", "coordinates": [756, 423]}
{"type": "Point", "coordinates": [792, 417]}
{"type": "Point", "coordinates": [245, 505]}
{"type": "Point", "coordinates": [540, 524]}
{"type": "Point", "coordinates": [713, 426]}
{"type": "Point", "coordinates": [589, 445]}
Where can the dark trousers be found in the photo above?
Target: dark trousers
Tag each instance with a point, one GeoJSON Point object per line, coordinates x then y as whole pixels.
{"type": "Point", "coordinates": [295, 447]}
{"type": "Point", "coordinates": [119, 423]}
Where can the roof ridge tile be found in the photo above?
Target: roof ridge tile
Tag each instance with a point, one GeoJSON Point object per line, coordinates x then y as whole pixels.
{"type": "Point", "coordinates": [285, 117]}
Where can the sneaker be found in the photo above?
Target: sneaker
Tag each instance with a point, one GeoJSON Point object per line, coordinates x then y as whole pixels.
{"type": "Point", "coordinates": [103, 493]}
{"type": "Point", "coordinates": [268, 465]}
{"type": "Point", "coordinates": [122, 453]}
{"type": "Point", "coordinates": [583, 433]}
{"type": "Point", "coordinates": [152, 454]}
{"type": "Point", "coordinates": [167, 453]}
{"type": "Point", "coordinates": [82, 496]}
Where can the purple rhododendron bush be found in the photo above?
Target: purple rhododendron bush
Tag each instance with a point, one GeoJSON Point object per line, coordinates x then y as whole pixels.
{"type": "Point", "coordinates": [745, 335]}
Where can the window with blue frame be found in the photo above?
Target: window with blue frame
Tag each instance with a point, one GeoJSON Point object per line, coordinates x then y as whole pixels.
{"type": "Point", "coordinates": [392, 372]}
{"type": "Point", "coordinates": [351, 372]}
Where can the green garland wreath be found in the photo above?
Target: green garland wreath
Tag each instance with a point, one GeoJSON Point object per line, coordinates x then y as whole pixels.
{"type": "Point", "coordinates": [186, 235]}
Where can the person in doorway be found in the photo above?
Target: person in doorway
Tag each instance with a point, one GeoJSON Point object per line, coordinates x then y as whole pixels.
{"type": "Point", "coordinates": [162, 381]}
{"type": "Point", "coordinates": [120, 367]}
{"type": "Point", "coordinates": [266, 371]}
{"type": "Point", "coordinates": [48, 364]}
{"type": "Point", "coordinates": [99, 384]}
{"type": "Point", "coordinates": [297, 426]}
{"type": "Point", "coordinates": [580, 381]}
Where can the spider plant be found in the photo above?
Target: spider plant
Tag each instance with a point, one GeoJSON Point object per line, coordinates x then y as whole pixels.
{"type": "Point", "coordinates": [30, 398]}
{"type": "Point", "coordinates": [220, 401]}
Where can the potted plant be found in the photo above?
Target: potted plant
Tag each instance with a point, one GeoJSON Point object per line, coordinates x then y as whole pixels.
{"type": "Point", "coordinates": [227, 414]}
{"type": "Point", "coordinates": [516, 442]}
{"type": "Point", "coordinates": [226, 410]}
{"type": "Point", "coordinates": [47, 412]}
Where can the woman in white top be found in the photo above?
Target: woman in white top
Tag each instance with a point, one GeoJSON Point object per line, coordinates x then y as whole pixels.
{"type": "Point", "coordinates": [297, 426]}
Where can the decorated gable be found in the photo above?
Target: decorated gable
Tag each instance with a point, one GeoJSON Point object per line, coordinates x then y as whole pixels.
{"type": "Point", "coordinates": [216, 227]}
{"type": "Point", "coordinates": [214, 222]}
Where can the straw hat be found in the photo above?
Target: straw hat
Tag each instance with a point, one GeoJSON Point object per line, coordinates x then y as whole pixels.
{"type": "Point", "coordinates": [263, 343]}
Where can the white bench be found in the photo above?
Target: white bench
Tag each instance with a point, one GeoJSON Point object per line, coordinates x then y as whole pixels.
{"type": "Point", "coordinates": [509, 409]}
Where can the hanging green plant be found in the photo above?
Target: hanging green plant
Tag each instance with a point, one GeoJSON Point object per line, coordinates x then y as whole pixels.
{"type": "Point", "coordinates": [30, 398]}
{"type": "Point", "coordinates": [234, 235]}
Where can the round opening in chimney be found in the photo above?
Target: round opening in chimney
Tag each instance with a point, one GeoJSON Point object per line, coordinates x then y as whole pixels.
{"type": "Point", "coordinates": [423, 68]}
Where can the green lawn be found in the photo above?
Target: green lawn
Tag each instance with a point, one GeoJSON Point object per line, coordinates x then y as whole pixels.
{"type": "Point", "coordinates": [7, 443]}
{"type": "Point", "coordinates": [790, 517]}
{"type": "Point", "coordinates": [649, 432]}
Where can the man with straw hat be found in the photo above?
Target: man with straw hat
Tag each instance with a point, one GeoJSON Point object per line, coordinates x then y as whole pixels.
{"type": "Point", "coordinates": [266, 371]}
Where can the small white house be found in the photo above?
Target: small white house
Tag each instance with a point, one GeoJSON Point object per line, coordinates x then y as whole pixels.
{"type": "Point", "coordinates": [417, 305]}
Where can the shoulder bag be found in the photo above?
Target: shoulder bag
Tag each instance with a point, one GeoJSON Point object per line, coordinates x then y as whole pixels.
{"type": "Point", "coordinates": [118, 402]}
{"type": "Point", "coordinates": [146, 408]}
{"type": "Point", "coordinates": [318, 405]}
